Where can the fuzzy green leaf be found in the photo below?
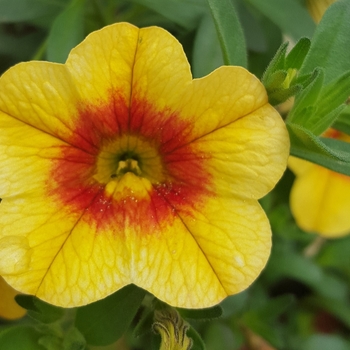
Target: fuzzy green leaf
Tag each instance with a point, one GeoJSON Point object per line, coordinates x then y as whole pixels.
{"type": "Point", "coordinates": [201, 314]}
{"type": "Point", "coordinates": [307, 98]}
{"type": "Point", "coordinates": [330, 44]}
{"type": "Point", "coordinates": [276, 64]}
{"type": "Point", "coordinates": [230, 32]}
{"type": "Point", "coordinates": [296, 56]}
{"type": "Point", "coordinates": [330, 153]}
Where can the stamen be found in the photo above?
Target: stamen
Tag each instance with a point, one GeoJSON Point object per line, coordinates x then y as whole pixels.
{"type": "Point", "coordinates": [125, 166]}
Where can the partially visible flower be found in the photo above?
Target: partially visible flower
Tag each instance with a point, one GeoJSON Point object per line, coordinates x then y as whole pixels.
{"type": "Point", "coordinates": [317, 8]}
{"type": "Point", "coordinates": [172, 329]}
{"type": "Point", "coordinates": [320, 198]}
{"type": "Point", "coordinates": [118, 168]}
{"type": "Point", "coordinates": [9, 309]}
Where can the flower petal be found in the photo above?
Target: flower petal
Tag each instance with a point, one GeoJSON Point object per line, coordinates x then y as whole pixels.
{"type": "Point", "coordinates": [9, 309]}
{"type": "Point", "coordinates": [320, 202]}
{"type": "Point", "coordinates": [248, 156]}
{"type": "Point", "coordinates": [42, 95]}
{"type": "Point", "coordinates": [25, 154]}
{"type": "Point", "coordinates": [102, 65]}
{"type": "Point", "coordinates": [222, 97]}
{"type": "Point", "coordinates": [193, 259]}
{"type": "Point", "coordinates": [299, 166]}
{"type": "Point", "coordinates": [161, 72]}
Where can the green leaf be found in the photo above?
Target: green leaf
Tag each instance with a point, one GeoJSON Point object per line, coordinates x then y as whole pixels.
{"type": "Point", "coordinates": [287, 263]}
{"type": "Point", "coordinates": [276, 64]}
{"type": "Point", "coordinates": [306, 79]}
{"type": "Point", "coordinates": [201, 314]}
{"type": "Point", "coordinates": [22, 45]}
{"type": "Point", "coordinates": [336, 254]}
{"type": "Point", "coordinates": [276, 79]}
{"type": "Point", "coordinates": [40, 310]}
{"type": "Point", "coordinates": [66, 32]}
{"type": "Point", "coordinates": [259, 60]}
{"type": "Point", "coordinates": [198, 343]}
{"type": "Point", "coordinates": [218, 336]}
{"type": "Point", "coordinates": [325, 341]}
{"type": "Point", "coordinates": [230, 32]}
{"type": "Point", "coordinates": [339, 308]}
{"type": "Point", "coordinates": [307, 98]}
{"type": "Point", "coordinates": [334, 95]}
{"type": "Point", "coordinates": [323, 123]}
{"type": "Point", "coordinates": [25, 10]}
{"type": "Point", "coordinates": [261, 320]}
{"type": "Point", "coordinates": [274, 307]}
{"type": "Point", "coordinates": [317, 107]}
{"type": "Point", "coordinates": [330, 44]}
{"type": "Point", "coordinates": [343, 121]}
{"type": "Point", "coordinates": [144, 324]}
{"type": "Point", "coordinates": [280, 78]}
{"type": "Point", "coordinates": [74, 340]}
{"type": "Point", "coordinates": [184, 13]}
{"type": "Point", "coordinates": [234, 304]}
{"type": "Point", "coordinates": [266, 331]}
{"type": "Point", "coordinates": [254, 31]}
{"type": "Point", "coordinates": [105, 321]}
{"type": "Point", "coordinates": [27, 302]}
{"type": "Point", "coordinates": [298, 53]}
{"type": "Point", "coordinates": [51, 342]}
{"type": "Point", "coordinates": [279, 96]}
{"type": "Point", "coordinates": [155, 341]}
{"type": "Point", "coordinates": [286, 14]}
{"type": "Point", "coordinates": [330, 153]}
{"type": "Point", "coordinates": [207, 54]}
{"type": "Point", "coordinates": [22, 337]}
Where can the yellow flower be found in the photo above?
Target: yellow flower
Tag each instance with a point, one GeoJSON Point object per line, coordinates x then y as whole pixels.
{"type": "Point", "coordinates": [9, 309]}
{"type": "Point", "coordinates": [317, 8]}
{"type": "Point", "coordinates": [320, 198]}
{"type": "Point", "coordinates": [118, 168]}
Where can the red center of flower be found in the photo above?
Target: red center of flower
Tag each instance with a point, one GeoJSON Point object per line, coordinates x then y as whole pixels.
{"type": "Point", "coordinates": [181, 182]}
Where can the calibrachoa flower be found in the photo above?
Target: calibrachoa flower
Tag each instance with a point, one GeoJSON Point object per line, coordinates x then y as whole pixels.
{"type": "Point", "coordinates": [9, 309]}
{"type": "Point", "coordinates": [118, 168]}
{"type": "Point", "coordinates": [320, 198]}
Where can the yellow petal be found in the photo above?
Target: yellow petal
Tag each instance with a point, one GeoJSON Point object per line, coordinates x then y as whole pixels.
{"type": "Point", "coordinates": [16, 250]}
{"type": "Point", "coordinates": [320, 202]}
{"type": "Point", "coordinates": [299, 166]}
{"type": "Point", "coordinates": [101, 67]}
{"type": "Point", "coordinates": [247, 157]}
{"type": "Point", "coordinates": [40, 94]}
{"type": "Point", "coordinates": [9, 309]}
{"type": "Point", "coordinates": [196, 259]}
{"type": "Point", "coordinates": [222, 97]}
{"type": "Point", "coordinates": [161, 72]}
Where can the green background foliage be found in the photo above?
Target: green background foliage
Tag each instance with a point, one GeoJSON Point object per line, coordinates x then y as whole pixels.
{"type": "Point", "coordinates": [301, 300]}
